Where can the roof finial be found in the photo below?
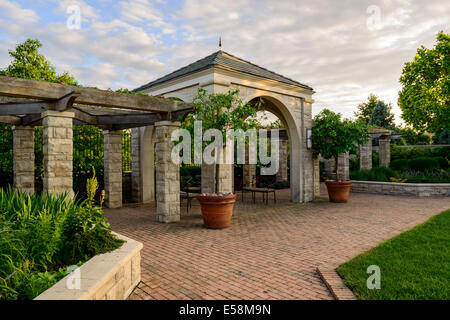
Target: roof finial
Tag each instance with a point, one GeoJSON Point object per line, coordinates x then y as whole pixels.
{"type": "Point", "coordinates": [220, 43]}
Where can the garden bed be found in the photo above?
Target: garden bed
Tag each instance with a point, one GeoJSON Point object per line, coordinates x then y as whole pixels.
{"type": "Point", "coordinates": [43, 236]}
{"type": "Point", "coordinates": [108, 276]}
{"type": "Point", "coordinates": [404, 189]}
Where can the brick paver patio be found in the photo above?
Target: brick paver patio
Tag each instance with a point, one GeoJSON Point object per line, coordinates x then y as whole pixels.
{"type": "Point", "coordinates": [269, 252]}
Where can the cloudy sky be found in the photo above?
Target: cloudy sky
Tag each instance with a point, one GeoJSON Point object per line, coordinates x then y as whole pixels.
{"type": "Point", "coordinates": [343, 49]}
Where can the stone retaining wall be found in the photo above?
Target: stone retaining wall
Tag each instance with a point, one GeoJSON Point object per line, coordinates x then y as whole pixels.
{"type": "Point", "coordinates": [406, 189]}
{"type": "Point", "coordinates": [108, 276]}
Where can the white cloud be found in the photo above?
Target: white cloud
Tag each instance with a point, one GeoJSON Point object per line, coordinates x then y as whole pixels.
{"type": "Point", "coordinates": [144, 11]}
{"type": "Point", "coordinates": [87, 12]}
{"type": "Point", "coordinates": [13, 11]}
{"type": "Point", "coordinates": [323, 43]}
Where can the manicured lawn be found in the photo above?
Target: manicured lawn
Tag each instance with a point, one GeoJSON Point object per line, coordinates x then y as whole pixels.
{"type": "Point", "coordinates": [414, 264]}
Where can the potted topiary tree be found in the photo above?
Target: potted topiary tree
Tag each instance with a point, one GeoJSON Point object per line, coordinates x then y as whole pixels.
{"type": "Point", "coordinates": [221, 111]}
{"type": "Point", "coordinates": [332, 136]}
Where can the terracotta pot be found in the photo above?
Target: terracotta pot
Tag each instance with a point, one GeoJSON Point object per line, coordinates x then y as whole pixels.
{"type": "Point", "coordinates": [217, 210]}
{"type": "Point", "coordinates": [338, 190]}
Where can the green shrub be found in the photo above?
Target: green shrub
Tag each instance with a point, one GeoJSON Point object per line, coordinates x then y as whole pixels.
{"type": "Point", "coordinates": [383, 174]}
{"type": "Point", "coordinates": [354, 163]}
{"type": "Point", "coordinates": [401, 153]}
{"type": "Point", "coordinates": [375, 159]}
{"type": "Point", "coordinates": [190, 170]}
{"type": "Point", "coordinates": [441, 152]}
{"type": "Point", "coordinates": [42, 234]}
{"type": "Point", "coordinates": [424, 163]}
{"type": "Point", "coordinates": [443, 163]}
{"type": "Point", "coordinates": [427, 176]}
{"type": "Point", "coordinates": [376, 174]}
{"type": "Point", "coordinates": [400, 164]}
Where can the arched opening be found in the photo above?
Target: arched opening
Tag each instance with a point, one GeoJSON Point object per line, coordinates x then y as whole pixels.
{"type": "Point", "coordinates": [276, 110]}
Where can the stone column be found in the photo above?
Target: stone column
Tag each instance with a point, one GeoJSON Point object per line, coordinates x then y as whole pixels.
{"type": "Point", "coordinates": [23, 158]}
{"type": "Point", "coordinates": [308, 166]}
{"type": "Point", "coordinates": [136, 187]}
{"type": "Point", "coordinates": [365, 156]}
{"type": "Point", "coordinates": [330, 165]}
{"type": "Point", "coordinates": [282, 174]}
{"type": "Point", "coordinates": [142, 163]}
{"type": "Point", "coordinates": [208, 178]}
{"type": "Point", "coordinates": [343, 166]}
{"type": "Point", "coordinates": [167, 174]}
{"type": "Point", "coordinates": [58, 151]}
{"type": "Point", "coordinates": [113, 168]}
{"type": "Point", "coordinates": [225, 176]}
{"type": "Point", "coordinates": [316, 177]}
{"type": "Point", "coordinates": [385, 151]}
{"type": "Point", "coordinates": [249, 175]}
{"type": "Point", "coordinates": [248, 171]}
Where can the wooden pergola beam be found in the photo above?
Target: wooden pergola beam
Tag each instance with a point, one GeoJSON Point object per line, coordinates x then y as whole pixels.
{"type": "Point", "coordinates": [32, 89]}
{"type": "Point", "coordinates": [143, 119]}
{"type": "Point", "coordinates": [23, 107]}
{"type": "Point", "coordinates": [84, 116]}
{"type": "Point", "coordinates": [10, 119]}
{"type": "Point", "coordinates": [35, 107]}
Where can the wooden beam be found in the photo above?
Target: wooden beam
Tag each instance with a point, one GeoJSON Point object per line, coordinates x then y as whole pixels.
{"type": "Point", "coordinates": [10, 119]}
{"type": "Point", "coordinates": [83, 116]}
{"type": "Point", "coordinates": [33, 107]}
{"type": "Point", "coordinates": [32, 120]}
{"type": "Point", "coordinates": [32, 89]}
{"type": "Point", "coordinates": [143, 119]}
{"type": "Point", "coordinates": [36, 120]}
{"type": "Point", "coordinates": [23, 107]}
{"type": "Point", "coordinates": [64, 103]}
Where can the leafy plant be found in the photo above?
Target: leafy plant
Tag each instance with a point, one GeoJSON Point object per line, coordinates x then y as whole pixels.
{"type": "Point", "coordinates": [365, 109]}
{"type": "Point", "coordinates": [28, 63]}
{"type": "Point", "coordinates": [424, 163]}
{"type": "Point", "coordinates": [425, 95]}
{"type": "Point", "coordinates": [382, 116]}
{"type": "Point", "coordinates": [332, 136]}
{"type": "Point", "coordinates": [376, 174]}
{"type": "Point", "coordinates": [411, 136]}
{"type": "Point", "coordinates": [222, 111]}
{"type": "Point", "coordinates": [42, 234]}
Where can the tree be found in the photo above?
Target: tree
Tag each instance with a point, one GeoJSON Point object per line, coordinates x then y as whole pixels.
{"type": "Point", "coordinates": [365, 109]}
{"type": "Point", "coordinates": [411, 136]}
{"type": "Point", "coordinates": [28, 63]}
{"type": "Point", "coordinates": [222, 111]}
{"type": "Point", "coordinates": [425, 95]}
{"type": "Point", "coordinates": [382, 116]}
{"type": "Point", "coordinates": [277, 124]}
{"type": "Point", "coordinates": [332, 136]}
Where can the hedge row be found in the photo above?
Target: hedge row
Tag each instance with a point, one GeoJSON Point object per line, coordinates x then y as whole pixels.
{"type": "Point", "coordinates": [401, 153]}
{"type": "Point", "coordinates": [420, 164]}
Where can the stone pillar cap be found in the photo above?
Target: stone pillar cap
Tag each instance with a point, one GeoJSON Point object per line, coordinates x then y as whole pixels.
{"type": "Point", "coordinates": [62, 114]}
{"type": "Point", "coordinates": [168, 123]}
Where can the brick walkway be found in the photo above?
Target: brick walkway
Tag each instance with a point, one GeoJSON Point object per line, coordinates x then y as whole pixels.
{"type": "Point", "coordinates": [269, 252]}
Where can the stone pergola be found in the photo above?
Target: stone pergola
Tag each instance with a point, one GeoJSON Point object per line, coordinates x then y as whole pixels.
{"type": "Point", "coordinates": [57, 107]}
{"type": "Point", "coordinates": [61, 106]}
{"type": "Point", "coordinates": [287, 99]}
{"type": "Point", "coordinates": [365, 154]}
{"type": "Point", "coordinates": [365, 151]}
